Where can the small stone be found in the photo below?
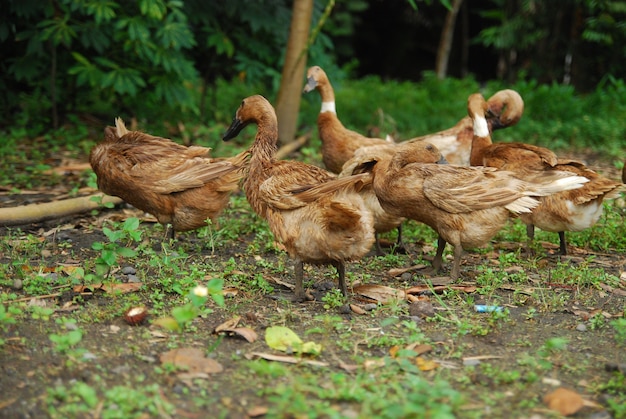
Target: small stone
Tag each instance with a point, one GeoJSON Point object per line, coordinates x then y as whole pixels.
{"type": "Point", "coordinates": [370, 306]}
{"type": "Point", "coordinates": [581, 327]}
{"type": "Point", "coordinates": [129, 270]}
{"type": "Point", "coordinates": [52, 276]}
{"type": "Point", "coordinates": [88, 356]}
{"type": "Point", "coordinates": [421, 308]}
{"type": "Point", "coordinates": [18, 284]}
{"type": "Point", "coordinates": [471, 362]}
{"type": "Point", "coordinates": [133, 278]}
{"type": "Point", "coordinates": [406, 277]}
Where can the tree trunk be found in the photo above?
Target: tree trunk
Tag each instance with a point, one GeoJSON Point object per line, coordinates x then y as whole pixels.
{"type": "Point", "coordinates": [292, 80]}
{"type": "Point", "coordinates": [445, 43]}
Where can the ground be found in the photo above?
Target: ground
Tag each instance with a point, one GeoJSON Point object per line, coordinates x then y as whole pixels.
{"type": "Point", "coordinates": [71, 353]}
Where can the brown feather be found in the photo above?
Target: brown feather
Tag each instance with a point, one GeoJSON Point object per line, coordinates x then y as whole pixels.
{"type": "Point", "coordinates": [318, 218]}
{"type": "Point", "coordinates": [179, 185]}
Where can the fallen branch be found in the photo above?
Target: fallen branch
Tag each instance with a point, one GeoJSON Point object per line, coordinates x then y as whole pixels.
{"type": "Point", "coordinates": [292, 146]}
{"type": "Point", "coordinates": [34, 213]}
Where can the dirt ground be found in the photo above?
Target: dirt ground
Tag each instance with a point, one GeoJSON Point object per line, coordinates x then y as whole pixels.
{"type": "Point", "coordinates": [120, 354]}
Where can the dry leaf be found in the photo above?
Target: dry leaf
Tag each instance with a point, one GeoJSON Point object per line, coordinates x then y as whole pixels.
{"type": "Point", "coordinates": [379, 293]}
{"type": "Point", "coordinates": [257, 411]}
{"type": "Point", "coordinates": [191, 359]}
{"type": "Point", "coordinates": [228, 325]}
{"type": "Point", "coordinates": [399, 271]}
{"type": "Point", "coordinates": [419, 348]}
{"type": "Point", "coordinates": [564, 401]}
{"type": "Point", "coordinates": [370, 364]}
{"type": "Point", "coordinates": [425, 364]}
{"type": "Point", "coordinates": [357, 309]}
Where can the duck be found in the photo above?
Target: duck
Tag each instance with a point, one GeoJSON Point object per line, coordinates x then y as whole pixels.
{"type": "Point", "coordinates": [318, 217]}
{"type": "Point", "coordinates": [384, 221]}
{"type": "Point", "coordinates": [338, 142]}
{"type": "Point", "coordinates": [180, 186]}
{"type": "Point", "coordinates": [571, 210]}
{"type": "Point", "coordinates": [466, 206]}
{"type": "Point", "coordinates": [506, 108]}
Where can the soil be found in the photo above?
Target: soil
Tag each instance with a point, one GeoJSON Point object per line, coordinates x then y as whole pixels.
{"type": "Point", "coordinates": [121, 354]}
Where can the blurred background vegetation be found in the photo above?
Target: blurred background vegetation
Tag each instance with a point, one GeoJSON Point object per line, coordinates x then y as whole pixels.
{"type": "Point", "coordinates": [80, 63]}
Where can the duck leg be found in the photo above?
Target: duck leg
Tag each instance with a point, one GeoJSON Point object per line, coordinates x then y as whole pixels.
{"type": "Point", "coordinates": [438, 259]}
{"type": "Point", "coordinates": [299, 290]}
{"type": "Point", "coordinates": [379, 249]}
{"type": "Point", "coordinates": [563, 243]}
{"type": "Point", "coordinates": [341, 270]}
{"type": "Point", "coordinates": [399, 242]}
{"type": "Point", "coordinates": [456, 268]}
{"type": "Point", "coordinates": [530, 233]}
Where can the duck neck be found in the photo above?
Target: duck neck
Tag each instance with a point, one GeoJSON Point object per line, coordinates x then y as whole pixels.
{"type": "Point", "coordinates": [480, 141]}
{"type": "Point", "coordinates": [328, 97]}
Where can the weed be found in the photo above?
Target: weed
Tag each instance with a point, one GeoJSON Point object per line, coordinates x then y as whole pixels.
{"type": "Point", "coordinates": [333, 299]}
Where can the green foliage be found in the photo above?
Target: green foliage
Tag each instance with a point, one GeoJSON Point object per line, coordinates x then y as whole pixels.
{"type": "Point", "coordinates": [111, 252]}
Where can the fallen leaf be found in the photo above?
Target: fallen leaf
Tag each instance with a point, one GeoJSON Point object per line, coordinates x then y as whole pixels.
{"type": "Point", "coordinates": [357, 309]}
{"type": "Point", "coordinates": [564, 401]}
{"type": "Point", "coordinates": [191, 359]}
{"type": "Point", "coordinates": [228, 325]}
{"type": "Point", "coordinates": [425, 364]}
{"type": "Point", "coordinates": [257, 411]}
{"type": "Point", "coordinates": [370, 364]}
{"type": "Point", "coordinates": [613, 290]}
{"type": "Point", "coordinates": [278, 281]}
{"type": "Point", "coordinates": [284, 339]}
{"type": "Point", "coordinates": [393, 272]}
{"type": "Point", "coordinates": [379, 293]}
{"type": "Point", "coordinates": [286, 359]}
{"type": "Point", "coordinates": [419, 348]}
{"type": "Point", "coordinates": [167, 323]}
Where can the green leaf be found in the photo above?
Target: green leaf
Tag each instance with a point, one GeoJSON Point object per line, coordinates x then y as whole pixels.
{"type": "Point", "coordinates": [109, 257]}
{"type": "Point", "coordinates": [126, 252]}
{"type": "Point", "coordinates": [284, 339]}
{"type": "Point", "coordinates": [152, 8]}
{"type": "Point", "coordinates": [131, 224]}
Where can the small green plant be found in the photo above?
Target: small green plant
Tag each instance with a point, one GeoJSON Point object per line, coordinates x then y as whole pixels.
{"type": "Point", "coordinates": [112, 251]}
{"type": "Point", "coordinates": [333, 299]}
{"type": "Point", "coordinates": [620, 329]}
{"type": "Point", "coordinates": [183, 315]}
{"type": "Point", "coordinates": [65, 343]}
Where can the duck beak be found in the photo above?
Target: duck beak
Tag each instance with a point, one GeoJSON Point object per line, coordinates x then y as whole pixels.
{"type": "Point", "coordinates": [311, 84]}
{"type": "Point", "coordinates": [235, 128]}
{"type": "Point", "coordinates": [442, 160]}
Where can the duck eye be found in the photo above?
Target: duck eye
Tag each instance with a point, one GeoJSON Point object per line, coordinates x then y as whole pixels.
{"type": "Point", "coordinates": [429, 147]}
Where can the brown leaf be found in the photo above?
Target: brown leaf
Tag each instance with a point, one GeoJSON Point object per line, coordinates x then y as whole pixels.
{"type": "Point", "coordinates": [612, 290]}
{"type": "Point", "coordinates": [393, 272]}
{"type": "Point", "coordinates": [564, 401]}
{"type": "Point", "coordinates": [191, 359]}
{"type": "Point", "coordinates": [228, 324]}
{"type": "Point", "coordinates": [229, 327]}
{"type": "Point", "coordinates": [257, 411]}
{"type": "Point", "coordinates": [357, 309]}
{"type": "Point", "coordinates": [379, 293]}
{"type": "Point", "coordinates": [419, 348]}
{"type": "Point", "coordinates": [425, 364]}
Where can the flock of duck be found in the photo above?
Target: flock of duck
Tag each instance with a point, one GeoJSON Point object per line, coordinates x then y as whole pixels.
{"type": "Point", "coordinates": [456, 181]}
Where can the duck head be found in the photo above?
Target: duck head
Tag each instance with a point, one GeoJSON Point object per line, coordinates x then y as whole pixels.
{"type": "Point", "coordinates": [505, 108]}
{"type": "Point", "coordinates": [313, 76]}
{"type": "Point", "coordinates": [253, 109]}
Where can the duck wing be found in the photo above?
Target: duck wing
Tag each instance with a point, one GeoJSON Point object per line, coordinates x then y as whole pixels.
{"type": "Point", "coordinates": [457, 189]}
{"type": "Point", "coordinates": [287, 179]}
{"type": "Point", "coordinates": [177, 173]}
